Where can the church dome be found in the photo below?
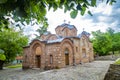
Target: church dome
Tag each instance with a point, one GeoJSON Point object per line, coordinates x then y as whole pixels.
{"type": "Point", "coordinates": [65, 25]}
{"type": "Point", "coordinates": [66, 30]}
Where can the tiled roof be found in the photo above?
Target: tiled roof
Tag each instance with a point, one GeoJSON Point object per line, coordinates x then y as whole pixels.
{"type": "Point", "coordinates": [55, 41]}
{"type": "Point", "coordinates": [67, 25]}
{"type": "Point", "coordinates": [86, 33]}
{"type": "Point", "coordinates": [79, 35]}
{"type": "Point", "coordinates": [83, 33]}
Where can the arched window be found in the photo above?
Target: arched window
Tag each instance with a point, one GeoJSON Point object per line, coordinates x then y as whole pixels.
{"type": "Point", "coordinates": [66, 51]}
{"type": "Point", "coordinates": [38, 51]}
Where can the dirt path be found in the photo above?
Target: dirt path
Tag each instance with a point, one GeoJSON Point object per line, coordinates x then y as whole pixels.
{"type": "Point", "coordinates": [87, 71]}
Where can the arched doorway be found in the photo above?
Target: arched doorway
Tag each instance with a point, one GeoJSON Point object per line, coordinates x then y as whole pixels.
{"type": "Point", "coordinates": [38, 57]}
{"type": "Point", "coordinates": [66, 56]}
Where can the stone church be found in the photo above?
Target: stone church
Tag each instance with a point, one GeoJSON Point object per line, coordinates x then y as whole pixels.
{"type": "Point", "coordinates": [59, 50]}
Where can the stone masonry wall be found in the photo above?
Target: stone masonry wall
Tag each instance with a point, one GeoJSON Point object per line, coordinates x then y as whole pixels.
{"type": "Point", "coordinates": [26, 61]}
{"type": "Point", "coordinates": [113, 73]}
{"type": "Point", "coordinates": [77, 51]}
{"type": "Point", "coordinates": [54, 51]}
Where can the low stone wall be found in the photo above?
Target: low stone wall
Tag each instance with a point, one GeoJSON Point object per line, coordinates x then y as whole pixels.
{"type": "Point", "coordinates": [113, 72]}
{"type": "Point", "coordinates": [108, 57]}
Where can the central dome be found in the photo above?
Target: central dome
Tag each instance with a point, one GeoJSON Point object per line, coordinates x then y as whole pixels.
{"type": "Point", "coordinates": [66, 30]}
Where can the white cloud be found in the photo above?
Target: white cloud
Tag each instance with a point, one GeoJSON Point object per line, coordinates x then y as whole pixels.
{"type": "Point", "coordinates": [114, 23]}
{"type": "Point", "coordinates": [104, 16]}
{"type": "Point", "coordinates": [107, 9]}
{"type": "Point", "coordinates": [102, 8]}
{"type": "Point", "coordinates": [57, 18]}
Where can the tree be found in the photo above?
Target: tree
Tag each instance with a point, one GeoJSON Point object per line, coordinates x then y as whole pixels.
{"type": "Point", "coordinates": [42, 29]}
{"type": "Point", "coordinates": [106, 42]}
{"type": "Point", "coordinates": [101, 42]}
{"type": "Point", "coordinates": [29, 10]}
{"type": "Point", "coordinates": [116, 42]}
{"type": "Point", "coordinates": [11, 42]}
{"type": "Point", "coordinates": [2, 58]}
{"type": "Point", "coordinates": [115, 39]}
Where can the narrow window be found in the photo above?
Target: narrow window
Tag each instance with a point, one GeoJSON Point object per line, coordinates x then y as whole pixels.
{"type": "Point", "coordinates": [83, 42]}
{"type": "Point", "coordinates": [88, 44]}
{"type": "Point", "coordinates": [76, 49]}
{"type": "Point", "coordinates": [51, 59]}
{"type": "Point", "coordinates": [84, 53]}
{"type": "Point", "coordinates": [25, 58]}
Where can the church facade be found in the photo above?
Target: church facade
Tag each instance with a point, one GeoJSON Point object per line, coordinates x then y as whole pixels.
{"type": "Point", "coordinates": [59, 50]}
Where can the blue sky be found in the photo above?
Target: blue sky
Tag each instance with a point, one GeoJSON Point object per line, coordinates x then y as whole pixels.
{"type": "Point", "coordinates": [104, 16]}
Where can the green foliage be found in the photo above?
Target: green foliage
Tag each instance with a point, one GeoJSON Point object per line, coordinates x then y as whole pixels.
{"type": "Point", "coordinates": [74, 13]}
{"type": "Point", "coordinates": [12, 42]}
{"type": "Point", "coordinates": [3, 23]}
{"type": "Point", "coordinates": [1, 51]}
{"type": "Point", "coordinates": [2, 56]}
{"type": "Point", "coordinates": [42, 29]}
{"type": "Point", "coordinates": [93, 3]}
{"type": "Point", "coordinates": [117, 61]}
{"type": "Point", "coordinates": [15, 66]}
{"type": "Point", "coordinates": [103, 43]}
{"type": "Point", "coordinates": [29, 10]}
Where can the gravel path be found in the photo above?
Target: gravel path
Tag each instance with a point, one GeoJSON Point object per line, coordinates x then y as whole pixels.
{"type": "Point", "coordinates": [87, 71]}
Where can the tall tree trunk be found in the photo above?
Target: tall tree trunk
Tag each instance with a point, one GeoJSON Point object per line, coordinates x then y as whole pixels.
{"type": "Point", "coordinates": [113, 52]}
{"type": "Point", "coordinates": [1, 64]}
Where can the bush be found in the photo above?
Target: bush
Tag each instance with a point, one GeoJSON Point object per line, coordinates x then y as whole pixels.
{"type": "Point", "coordinates": [117, 61]}
{"type": "Point", "coordinates": [2, 56]}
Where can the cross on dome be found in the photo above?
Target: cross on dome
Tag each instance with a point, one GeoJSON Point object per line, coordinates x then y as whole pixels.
{"type": "Point", "coordinates": [64, 21]}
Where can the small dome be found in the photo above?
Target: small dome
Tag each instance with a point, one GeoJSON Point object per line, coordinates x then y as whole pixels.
{"type": "Point", "coordinates": [84, 33]}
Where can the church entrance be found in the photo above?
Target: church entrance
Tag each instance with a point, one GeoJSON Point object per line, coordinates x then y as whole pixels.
{"type": "Point", "coordinates": [38, 61]}
{"type": "Point", "coordinates": [66, 57]}
{"type": "Point", "coordinates": [38, 57]}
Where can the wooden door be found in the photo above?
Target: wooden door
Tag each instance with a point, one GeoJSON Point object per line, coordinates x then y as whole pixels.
{"type": "Point", "coordinates": [38, 58]}
{"type": "Point", "coordinates": [67, 59]}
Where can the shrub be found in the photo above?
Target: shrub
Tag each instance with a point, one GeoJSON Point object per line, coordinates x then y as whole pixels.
{"type": "Point", "coordinates": [2, 56]}
{"type": "Point", "coordinates": [117, 61]}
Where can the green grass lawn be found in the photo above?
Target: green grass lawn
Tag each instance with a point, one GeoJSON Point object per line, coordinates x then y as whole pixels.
{"type": "Point", "coordinates": [15, 66]}
{"type": "Point", "coordinates": [117, 61]}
